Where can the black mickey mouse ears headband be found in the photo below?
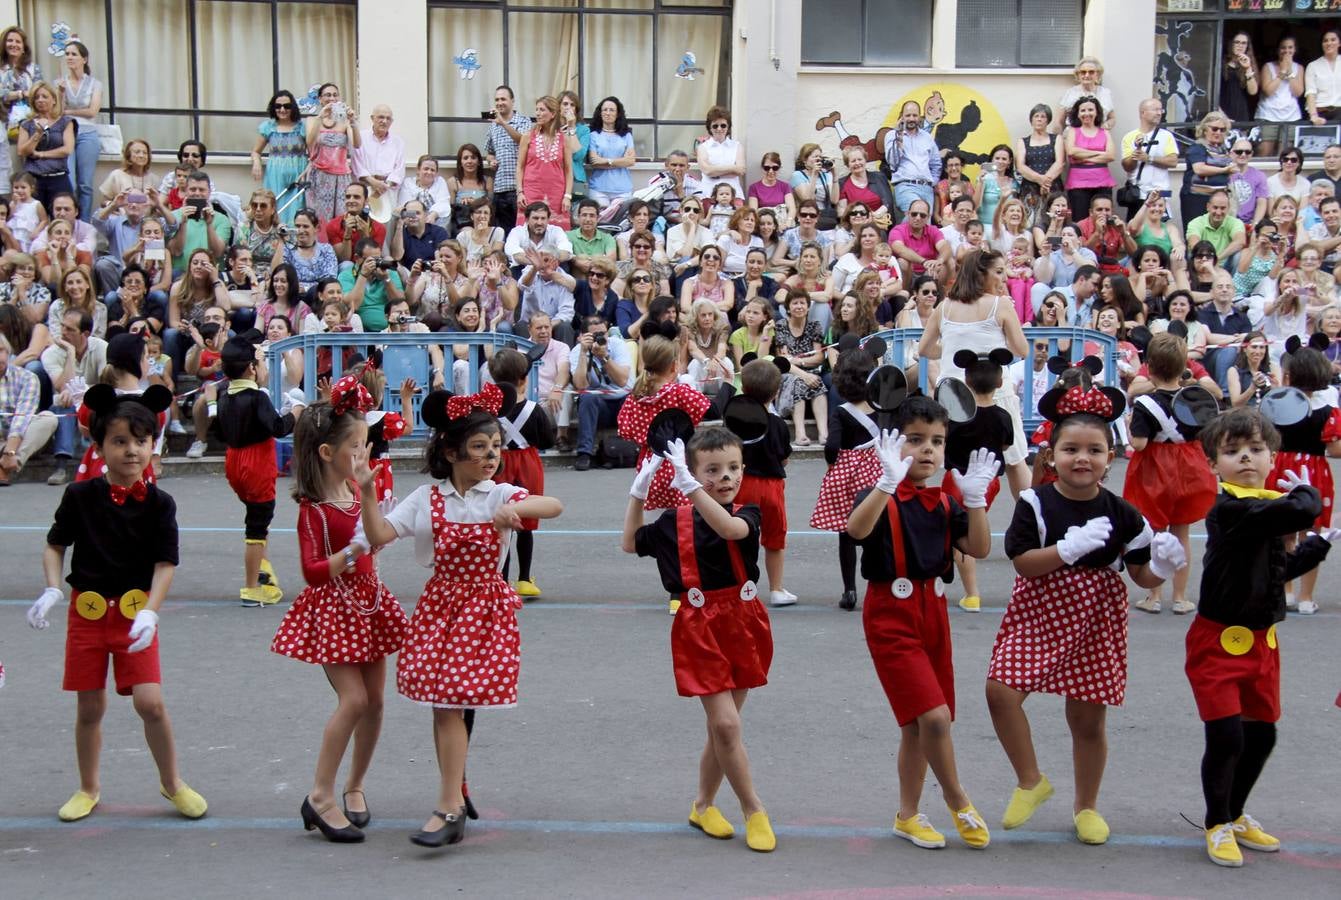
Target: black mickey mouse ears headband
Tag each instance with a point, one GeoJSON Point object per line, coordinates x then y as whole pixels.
{"type": "Point", "coordinates": [1317, 341]}
{"type": "Point", "coordinates": [783, 364]}
{"type": "Point", "coordinates": [103, 399]}
{"type": "Point", "coordinates": [967, 359]}
{"type": "Point", "coordinates": [1059, 364]}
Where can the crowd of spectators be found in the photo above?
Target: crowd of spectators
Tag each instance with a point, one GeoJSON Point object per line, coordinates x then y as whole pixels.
{"type": "Point", "coordinates": [537, 231]}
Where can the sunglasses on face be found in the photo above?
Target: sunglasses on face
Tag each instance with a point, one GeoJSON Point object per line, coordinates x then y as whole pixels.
{"type": "Point", "coordinates": [707, 257]}
{"type": "Point", "coordinates": [642, 279]}
{"type": "Point", "coordinates": [772, 168]}
{"type": "Point", "coordinates": [690, 209]}
{"type": "Point", "coordinates": [1215, 128]}
{"type": "Point", "coordinates": [1247, 152]}
{"type": "Point", "coordinates": [1203, 256]}
{"type": "Point", "coordinates": [807, 215]}
{"type": "Point", "coordinates": [189, 155]}
{"type": "Point", "coordinates": [719, 126]}
{"type": "Point", "coordinates": [917, 215]}
{"type": "Point", "coordinates": [1291, 159]}
{"type": "Point", "coordinates": [283, 106]}
{"type": "Point", "coordinates": [592, 275]}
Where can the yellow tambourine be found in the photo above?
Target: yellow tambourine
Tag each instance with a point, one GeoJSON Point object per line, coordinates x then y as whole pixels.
{"type": "Point", "coordinates": [1236, 640]}
{"type": "Point", "coordinates": [132, 602]}
{"type": "Point", "coordinates": [91, 605]}
{"type": "Point", "coordinates": [1271, 637]}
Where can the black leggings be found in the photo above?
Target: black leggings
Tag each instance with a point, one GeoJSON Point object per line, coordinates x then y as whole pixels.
{"type": "Point", "coordinates": [847, 560]}
{"type": "Point", "coordinates": [1236, 752]}
{"type": "Point", "coordinates": [525, 550]}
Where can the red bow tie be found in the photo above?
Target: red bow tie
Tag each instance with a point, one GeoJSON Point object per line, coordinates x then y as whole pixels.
{"type": "Point", "coordinates": [929, 496]}
{"type": "Point", "coordinates": [138, 490]}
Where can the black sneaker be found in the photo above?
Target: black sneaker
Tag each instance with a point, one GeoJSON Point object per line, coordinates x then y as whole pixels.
{"type": "Point", "coordinates": [849, 600]}
{"type": "Point", "coordinates": [583, 462]}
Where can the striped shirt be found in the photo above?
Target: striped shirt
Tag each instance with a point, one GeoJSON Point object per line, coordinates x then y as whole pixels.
{"type": "Point", "coordinates": [504, 150]}
{"type": "Point", "coordinates": [19, 393]}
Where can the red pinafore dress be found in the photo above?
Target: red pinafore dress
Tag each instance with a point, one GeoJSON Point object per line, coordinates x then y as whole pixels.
{"type": "Point", "coordinates": [1325, 428]}
{"type": "Point", "coordinates": [464, 648]}
{"type": "Point", "coordinates": [721, 639]}
{"type": "Point", "coordinates": [521, 462]}
{"type": "Point", "coordinates": [1169, 481]}
{"type": "Point", "coordinates": [635, 417]}
{"type": "Point", "coordinates": [855, 470]}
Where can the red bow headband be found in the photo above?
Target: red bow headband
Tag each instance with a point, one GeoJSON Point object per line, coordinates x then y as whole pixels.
{"type": "Point", "coordinates": [349, 394]}
{"type": "Point", "coordinates": [1079, 400]}
{"type": "Point", "coordinates": [489, 399]}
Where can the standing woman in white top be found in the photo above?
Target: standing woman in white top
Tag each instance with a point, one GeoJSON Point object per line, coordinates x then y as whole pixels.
{"type": "Point", "coordinates": [721, 158]}
{"type": "Point", "coordinates": [1282, 84]}
{"type": "Point", "coordinates": [978, 315]}
{"type": "Point", "coordinates": [83, 99]}
{"type": "Point", "coordinates": [1089, 78]}
{"type": "Point", "coordinates": [1322, 82]}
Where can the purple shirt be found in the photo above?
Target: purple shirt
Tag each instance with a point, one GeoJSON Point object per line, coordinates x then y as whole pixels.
{"type": "Point", "coordinates": [1246, 187]}
{"type": "Point", "coordinates": [770, 196]}
{"type": "Point", "coordinates": [925, 246]}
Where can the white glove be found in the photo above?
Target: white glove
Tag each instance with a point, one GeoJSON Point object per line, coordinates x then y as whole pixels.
{"type": "Point", "coordinates": [1330, 535]}
{"type": "Point", "coordinates": [893, 464]}
{"type": "Point", "coordinates": [142, 630]}
{"type": "Point", "coordinates": [291, 398]}
{"type": "Point", "coordinates": [1166, 555]}
{"type": "Point", "coordinates": [37, 613]}
{"type": "Point", "coordinates": [977, 478]}
{"type": "Point", "coordinates": [360, 539]}
{"type": "Point", "coordinates": [1291, 480]}
{"type": "Point", "coordinates": [1083, 539]}
{"type": "Point", "coordinates": [642, 482]}
{"type": "Point", "coordinates": [684, 480]}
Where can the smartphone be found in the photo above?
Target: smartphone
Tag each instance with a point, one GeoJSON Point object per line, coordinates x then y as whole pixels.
{"type": "Point", "coordinates": [137, 198]}
{"type": "Point", "coordinates": [1055, 241]}
{"type": "Point", "coordinates": [197, 206]}
{"type": "Point", "coordinates": [154, 251]}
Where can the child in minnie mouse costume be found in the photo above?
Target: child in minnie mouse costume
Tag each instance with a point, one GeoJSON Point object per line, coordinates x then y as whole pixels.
{"type": "Point", "coordinates": [124, 535]}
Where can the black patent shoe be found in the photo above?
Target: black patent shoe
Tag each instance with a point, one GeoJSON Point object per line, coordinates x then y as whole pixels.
{"type": "Point", "coordinates": [471, 813]}
{"type": "Point", "coordinates": [453, 830]}
{"type": "Point", "coordinates": [350, 834]}
{"type": "Point", "coordinates": [359, 818]}
{"type": "Point", "coordinates": [849, 601]}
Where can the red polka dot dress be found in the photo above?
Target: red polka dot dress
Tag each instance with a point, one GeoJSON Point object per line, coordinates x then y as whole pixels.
{"type": "Point", "coordinates": [1304, 446]}
{"type": "Point", "coordinates": [464, 647]}
{"type": "Point", "coordinates": [856, 468]}
{"type": "Point", "coordinates": [636, 416]}
{"type": "Point", "coordinates": [348, 620]}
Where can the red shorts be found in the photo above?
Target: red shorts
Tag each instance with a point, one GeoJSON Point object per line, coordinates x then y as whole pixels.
{"type": "Point", "coordinates": [724, 645]}
{"type": "Point", "coordinates": [769, 495]}
{"type": "Point", "coordinates": [909, 640]}
{"type": "Point", "coordinates": [251, 471]}
{"type": "Point", "coordinates": [88, 643]}
{"type": "Point", "coordinates": [1243, 683]}
{"type": "Point", "coordinates": [951, 487]}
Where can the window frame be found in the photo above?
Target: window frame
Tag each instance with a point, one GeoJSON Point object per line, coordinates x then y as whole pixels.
{"type": "Point", "coordinates": [931, 32]}
{"type": "Point", "coordinates": [582, 9]}
{"type": "Point", "coordinates": [194, 112]}
{"type": "Point", "coordinates": [1020, 45]}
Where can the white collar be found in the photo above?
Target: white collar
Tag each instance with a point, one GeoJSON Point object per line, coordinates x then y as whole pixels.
{"type": "Point", "coordinates": [483, 487]}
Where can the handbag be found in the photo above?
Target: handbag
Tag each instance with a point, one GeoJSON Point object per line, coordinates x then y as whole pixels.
{"type": "Point", "coordinates": [1130, 193]}
{"type": "Point", "coordinates": [109, 139]}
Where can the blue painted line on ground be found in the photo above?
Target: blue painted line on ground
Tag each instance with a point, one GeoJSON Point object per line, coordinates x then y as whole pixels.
{"type": "Point", "coordinates": [573, 826]}
{"type": "Point", "coordinates": [551, 606]}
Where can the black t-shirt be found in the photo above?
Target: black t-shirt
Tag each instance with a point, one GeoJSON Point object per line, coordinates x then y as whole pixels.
{"type": "Point", "coordinates": [1130, 539]}
{"type": "Point", "coordinates": [115, 546]}
{"type": "Point", "coordinates": [1306, 436]}
{"type": "Point", "coordinates": [923, 541]}
{"type": "Point", "coordinates": [989, 428]}
{"type": "Point", "coordinates": [248, 417]}
{"type": "Point", "coordinates": [764, 457]}
{"type": "Point", "coordinates": [538, 429]}
{"type": "Point", "coordinates": [1145, 425]}
{"type": "Point", "coordinates": [661, 540]}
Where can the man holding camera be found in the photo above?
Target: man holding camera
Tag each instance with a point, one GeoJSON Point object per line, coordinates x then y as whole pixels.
{"type": "Point", "coordinates": [370, 283]}
{"type": "Point", "coordinates": [1148, 153]}
{"type": "Point", "coordinates": [119, 222]}
{"type": "Point", "coordinates": [506, 127]}
{"type": "Point", "coordinates": [1225, 232]}
{"type": "Point", "coordinates": [344, 232]}
{"type": "Point", "coordinates": [914, 159]}
{"type": "Point", "coordinates": [198, 225]}
{"type": "Point", "coordinates": [414, 238]}
{"type": "Point", "coordinates": [1104, 234]}
{"type": "Point", "coordinates": [603, 374]}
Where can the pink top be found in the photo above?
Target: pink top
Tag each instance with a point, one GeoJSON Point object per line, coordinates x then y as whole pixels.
{"type": "Point", "coordinates": [924, 246]}
{"type": "Point", "coordinates": [330, 153]}
{"type": "Point", "coordinates": [1089, 176]}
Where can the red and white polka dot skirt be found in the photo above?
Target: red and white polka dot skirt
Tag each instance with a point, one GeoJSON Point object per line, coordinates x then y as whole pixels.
{"type": "Point", "coordinates": [853, 471]}
{"type": "Point", "coordinates": [1065, 633]}
{"type": "Point", "coordinates": [464, 648]}
{"type": "Point", "coordinates": [349, 621]}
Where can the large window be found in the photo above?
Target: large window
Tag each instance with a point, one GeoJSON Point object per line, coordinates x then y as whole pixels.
{"type": "Point", "coordinates": [866, 32]}
{"type": "Point", "coordinates": [1018, 33]}
{"type": "Point", "coordinates": [174, 69]}
{"type": "Point", "coordinates": [637, 50]}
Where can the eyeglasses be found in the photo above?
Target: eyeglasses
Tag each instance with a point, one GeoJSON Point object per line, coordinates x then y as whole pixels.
{"type": "Point", "coordinates": [639, 279]}
{"type": "Point", "coordinates": [718, 126]}
{"type": "Point", "coordinates": [772, 168]}
{"type": "Point", "coordinates": [1247, 152]}
{"type": "Point", "coordinates": [260, 206]}
{"type": "Point", "coordinates": [859, 212]}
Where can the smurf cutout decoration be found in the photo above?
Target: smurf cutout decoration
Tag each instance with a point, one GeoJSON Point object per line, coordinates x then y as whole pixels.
{"type": "Point", "coordinates": [61, 35]}
{"type": "Point", "coordinates": [467, 63]}
{"type": "Point", "coordinates": [688, 67]}
{"type": "Point", "coordinates": [310, 105]}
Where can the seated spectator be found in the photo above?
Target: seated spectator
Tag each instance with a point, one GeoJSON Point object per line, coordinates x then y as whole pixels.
{"type": "Point", "coordinates": [1058, 268]}
{"type": "Point", "coordinates": [74, 363]}
{"type": "Point", "coordinates": [1226, 328]}
{"type": "Point", "coordinates": [399, 320]}
{"type": "Point", "coordinates": [1202, 272]}
{"type": "Point", "coordinates": [639, 214]}
{"type": "Point", "coordinates": [866, 187]}
{"type": "Point", "coordinates": [1247, 185]}
{"type": "Point", "coordinates": [277, 328]}
{"type": "Point", "coordinates": [1285, 316]}
{"type": "Point", "coordinates": [23, 430]}
{"type": "Point", "coordinates": [1108, 320]}
{"type": "Point", "coordinates": [537, 235]}
{"type": "Point", "coordinates": [199, 225]}
{"type": "Point", "coordinates": [1054, 214]}
{"type": "Point", "coordinates": [723, 207]}
{"type": "Point", "coordinates": [885, 297]}
{"type": "Point", "coordinates": [1052, 314]}
{"type": "Point", "coordinates": [643, 251]}
{"type": "Point", "coordinates": [593, 295]}
{"type": "Point", "coordinates": [1329, 325]}
{"type": "Point", "coordinates": [602, 373]}
{"type": "Point", "coordinates": [1326, 235]}
{"type": "Point", "coordinates": [754, 282]}
{"type": "Point", "coordinates": [331, 312]}
{"type": "Point", "coordinates": [1082, 296]}
{"type": "Point", "coordinates": [685, 240]}
{"type": "Point", "coordinates": [845, 235]}
{"type": "Point", "coordinates": [811, 280]}
{"type": "Point", "coordinates": [469, 184]}
{"type": "Point", "coordinates": [709, 284]}
{"type": "Point", "coordinates": [549, 289]}
{"type": "Point", "coordinates": [1253, 373]}
{"type": "Point", "coordinates": [119, 220]}
{"type": "Point", "coordinates": [1011, 224]}
{"type": "Point", "coordinates": [952, 173]}
{"type": "Point", "coordinates": [196, 291]}
{"type": "Point", "coordinates": [769, 234]}
{"type": "Point", "coordinates": [430, 190]}
{"type": "Point", "coordinates": [60, 255]}
{"type": "Point", "coordinates": [755, 334]}
{"type": "Point", "coordinates": [1103, 233]}
{"type": "Point", "coordinates": [739, 239]}
{"type": "Point", "coordinates": [133, 176]}
{"type": "Point", "coordinates": [149, 252]}
{"type": "Point", "coordinates": [1153, 282]}
{"type": "Point", "coordinates": [856, 315]}
{"type": "Point", "coordinates": [1262, 260]}
{"type": "Point", "coordinates": [480, 237]}
{"type": "Point", "coordinates": [682, 187]}
{"type": "Point", "coordinates": [1331, 167]}
{"type": "Point", "coordinates": [635, 303]}
{"type": "Point", "coordinates": [926, 296]}
{"type": "Point", "coordinates": [437, 287]}
{"type": "Point", "coordinates": [1224, 232]}
{"type": "Point", "coordinates": [1179, 309]}
{"type": "Point", "coordinates": [1288, 181]}
{"type": "Point", "coordinates": [76, 294]}
{"type": "Point", "coordinates": [414, 239]}
{"type": "Point", "coordinates": [770, 191]}
{"type": "Point", "coordinates": [282, 298]}
{"type": "Point", "coordinates": [704, 356]}
{"type": "Point", "coordinates": [553, 377]}
{"type": "Point", "coordinates": [310, 258]}
{"type": "Point", "coordinates": [370, 283]}
{"type": "Point", "coordinates": [344, 231]}
{"type": "Point", "coordinates": [805, 232]}
{"type": "Point", "coordinates": [589, 242]}
{"type": "Point", "coordinates": [962, 211]}
{"type": "Point", "coordinates": [496, 290]}
{"type": "Point", "coordinates": [465, 317]}
{"type": "Point", "coordinates": [1318, 288]}
{"type": "Point", "coordinates": [1149, 228]}
{"type": "Point", "coordinates": [920, 244]}
{"type": "Point", "coordinates": [913, 158]}
{"type": "Point", "coordinates": [263, 232]}
{"type": "Point", "coordinates": [246, 290]}
{"type": "Point", "coordinates": [63, 207]}
{"type": "Point", "coordinates": [858, 260]}
{"type": "Point", "coordinates": [1116, 290]}
{"type": "Point", "coordinates": [133, 300]}
{"type": "Point", "coordinates": [800, 340]}
{"type": "Point", "coordinates": [24, 288]}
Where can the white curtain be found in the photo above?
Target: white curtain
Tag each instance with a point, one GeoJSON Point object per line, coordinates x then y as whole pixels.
{"type": "Point", "coordinates": [618, 62]}
{"type": "Point", "coordinates": [452, 33]}
{"type": "Point", "coordinates": [542, 56]}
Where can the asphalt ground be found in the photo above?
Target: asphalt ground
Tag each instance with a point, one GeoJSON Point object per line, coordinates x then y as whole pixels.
{"type": "Point", "coordinates": [584, 788]}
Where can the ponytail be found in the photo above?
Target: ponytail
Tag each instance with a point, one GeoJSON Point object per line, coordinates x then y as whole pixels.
{"type": "Point", "coordinates": [658, 357]}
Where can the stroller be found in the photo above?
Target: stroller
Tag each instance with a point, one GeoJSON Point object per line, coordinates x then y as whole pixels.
{"type": "Point", "coordinates": [614, 218]}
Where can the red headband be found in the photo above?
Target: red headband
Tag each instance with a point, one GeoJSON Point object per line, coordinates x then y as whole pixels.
{"type": "Point", "coordinates": [490, 399]}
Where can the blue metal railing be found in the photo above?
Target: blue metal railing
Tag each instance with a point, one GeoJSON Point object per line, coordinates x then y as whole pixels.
{"type": "Point", "coordinates": [480, 346]}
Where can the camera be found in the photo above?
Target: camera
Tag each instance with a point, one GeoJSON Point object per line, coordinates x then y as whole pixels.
{"type": "Point", "coordinates": [1055, 241]}
{"type": "Point", "coordinates": [599, 339]}
{"type": "Point", "coordinates": [197, 206]}
{"type": "Point", "coordinates": [283, 231]}
{"type": "Point", "coordinates": [339, 110]}
{"type": "Point", "coordinates": [1274, 238]}
{"type": "Point", "coordinates": [826, 164]}
{"type": "Point", "coordinates": [407, 320]}
{"type": "Point", "coordinates": [487, 115]}
{"type": "Point", "coordinates": [386, 264]}
{"type": "Point", "coordinates": [1114, 221]}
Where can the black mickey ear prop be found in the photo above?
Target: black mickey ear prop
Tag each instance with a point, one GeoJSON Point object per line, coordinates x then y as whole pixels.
{"type": "Point", "coordinates": [101, 398]}
{"type": "Point", "coordinates": [1194, 406]}
{"type": "Point", "coordinates": [433, 411]}
{"type": "Point", "coordinates": [1093, 364]}
{"type": "Point", "coordinates": [667, 328]}
{"type": "Point", "coordinates": [956, 397]}
{"type": "Point", "coordinates": [510, 400]}
{"type": "Point", "coordinates": [876, 348]}
{"type": "Point", "coordinates": [886, 388]}
{"type": "Point", "coordinates": [1058, 364]}
{"type": "Point", "coordinates": [1319, 341]}
{"type": "Point", "coordinates": [535, 353]}
{"type": "Point", "coordinates": [1178, 329]}
{"type": "Point", "coordinates": [748, 357]}
{"type": "Point", "coordinates": [848, 341]}
{"type": "Point", "coordinates": [669, 425]}
{"type": "Point", "coordinates": [746, 418]}
{"type": "Point", "coordinates": [783, 363]}
{"type": "Point", "coordinates": [1292, 344]}
{"type": "Point", "coordinates": [964, 358]}
{"type": "Point", "coordinates": [156, 397]}
{"type": "Point", "coordinates": [1001, 356]}
{"type": "Point", "coordinates": [1285, 406]}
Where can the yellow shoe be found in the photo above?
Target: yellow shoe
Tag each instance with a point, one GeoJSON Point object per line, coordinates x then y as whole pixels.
{"type": "Point", "coordinates": [971, 604]}
{"type": "Point", "coordinates": [268, 576]}
{"type": "Point", "coordinates": [1024, 802]}
{"type": "Point", "coordinates": [918, 830]}
{"type": "Point", "coordinates": [78, 806]}
{"type": "Point", "coordinates": [972, 828]}
{"type": "Point", "coordinates": [1091, 827]}
{"type": "Point", "coordinates": [711, 822]}
{"type": "Point", "coordinates": [759, 833]}
{"type": "Point", "coordinates": [187, 801]}
{"type": "Point", "coordinates": [526, 588]}
{"type": "Point", "coordinates": [1248, 833]}
{"type": "Point", "coordinates": [270, 594]}
{"type": "Point", "coordinates": [1221, 846]}
{"type": "Point", "coordinates": [674, 606]}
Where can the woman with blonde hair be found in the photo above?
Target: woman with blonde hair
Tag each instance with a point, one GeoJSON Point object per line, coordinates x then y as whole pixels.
{"type": "Point", "coordinates": [263, 232]}
{"type": "Point", "coordinates": [704, 356]}
{"type": "Point", "coordinates": [133, 175]}
{"type": "Point", "coordinates": [545, 167]}
{"type": "Point", "coordinates": [76, 294]}
{"type": "Point", "coordinates": [46, 144]}
{"type": "Point", "coordinates": [1089, 74]}
{"type": "Point", "coordinates": [1208, 165]}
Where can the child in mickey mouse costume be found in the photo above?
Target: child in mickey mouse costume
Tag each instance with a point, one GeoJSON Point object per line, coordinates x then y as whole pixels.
{"type": "Point", "coordinates": [1065, 628]}
{"type": "Point", "coordinates": [124, 536]}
